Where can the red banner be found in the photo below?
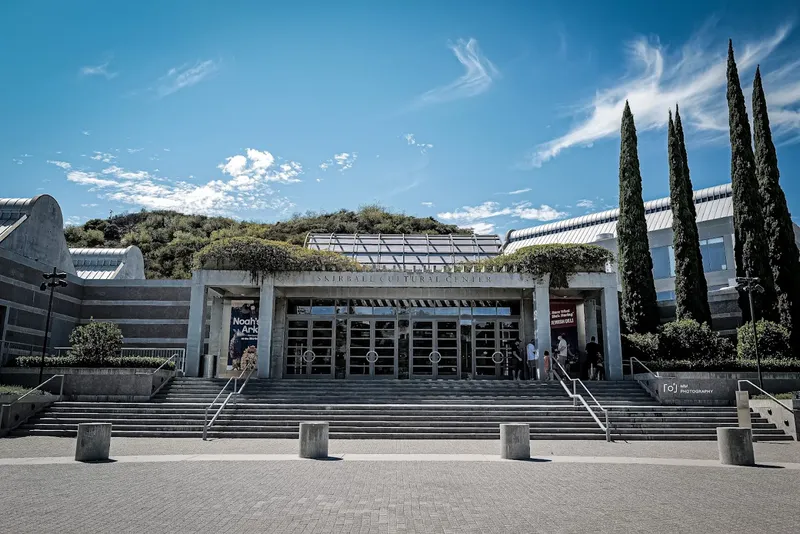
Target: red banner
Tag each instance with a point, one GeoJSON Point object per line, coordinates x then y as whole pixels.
{"type": "Point", "coordinates": [562, 314]}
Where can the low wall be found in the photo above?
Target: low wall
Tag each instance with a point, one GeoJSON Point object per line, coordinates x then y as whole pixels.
{"type": "Point", "coordinates": [712, 388]}
{"type": "Point", "coordinates": [784, 419]}
{"type": "Point", "coordinates": [13, 415]}
{"type": "Point", "coordinates": [88, 384]}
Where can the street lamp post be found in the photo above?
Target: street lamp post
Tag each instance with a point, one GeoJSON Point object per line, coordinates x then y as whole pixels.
{"type": "Point", "coordinates": [751, 285]}
{"type": "Point", "coordinates": [52, 281]}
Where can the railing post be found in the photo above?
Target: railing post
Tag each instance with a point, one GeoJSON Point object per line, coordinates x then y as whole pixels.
{"type": "Point", "coordinates": [608, 428]}
{"type": "Point", "coordinates": [61, 390]}
{"type": "Point", "coordinates": [205, 425]}
{"type": "Point", "coordinates": [235, 390]}
{"type": "Point", "coordinates": [574, 393]}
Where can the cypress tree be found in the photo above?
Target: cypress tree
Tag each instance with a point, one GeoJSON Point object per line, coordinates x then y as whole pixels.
{"type": "Point", "coordinates": [639, 310]}
{"type": "Point", "coordinates": [784, 259]}
{"type": "Point", "coordinates": [750, 248]}
{"type": "Point", "coordinates": [691, 289]}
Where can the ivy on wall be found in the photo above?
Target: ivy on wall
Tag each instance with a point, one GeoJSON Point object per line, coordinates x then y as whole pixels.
{"type": "Point", "coordinates": [557, 260]}
{"type": "Point", "coordinates": [261, 257]}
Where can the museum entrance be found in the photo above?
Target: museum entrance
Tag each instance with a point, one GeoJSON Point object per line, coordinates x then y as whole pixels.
{"type": "Point", "coordinates": [310, 348]}
{"type": "Point", "coordinates": [372, 348]}
{"type": "Point", "coordinates": [434, 349]}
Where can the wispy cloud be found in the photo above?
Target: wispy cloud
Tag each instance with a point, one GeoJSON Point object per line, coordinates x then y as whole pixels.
{"type": "Point", "coordinates": [344, 161]}
{"type": "Point", "coordinates": [17, 161]}
{"type": "Point", "coordinates": [186, 75]}
{"type": "Point", "coordinates": [469, 215]}
{"type": "Point", "coordinates": [99, 70]}
{"type": "Point", "coordinates": [427, 204]}
{"type": "Point", "coordinates": [105, 157]}
{"type": "Point", "coordinates": [519, 191]}
{"type": "Point", "coordinates": [412, 141]}
{"type": "Point", "coordinates": [134, 150]}
{"type": "Point", "coordinates": [585, 203]}
{"type": "Point", "coordinates": [246, 187]}
{"type": "Point", "coordinates": [694, 77]}
{"type": "Point", "coordinates": [86, 132]}
{"type": "Point", "coordinates": [480, 228]}
{"type": "Point", "coordinates": [477, 78]}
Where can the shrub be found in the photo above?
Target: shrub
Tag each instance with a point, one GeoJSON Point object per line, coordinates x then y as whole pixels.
{"type": "Point", "coordinates": [641, 346]}
{"type": "Point", "coordinates": [249, 358]}
{"type": "Point", "coordinates": [91, 344]}
{"type": "Point", "coordinates": [261, 257]}
{"type": "Point", "coordinates": [138, 362]}
{"type": "Point", "coordinates": [560, 261]}
{"type": "Point", "coordinates": [690, 340]}
{"type": "Point", "coordinates": [726, 364]}
{"type": "Point", "coordinates": [773, 341]}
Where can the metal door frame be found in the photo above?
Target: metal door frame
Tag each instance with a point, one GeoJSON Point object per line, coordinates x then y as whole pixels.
{"type": "Point", "coordinates": [371, 374]}
{"type": "Point", "coordinates": [499, 375]}
{"type": "Point", "coordinates": [435, 348]}
{"type": "Point", "coordinates": [307, 364]}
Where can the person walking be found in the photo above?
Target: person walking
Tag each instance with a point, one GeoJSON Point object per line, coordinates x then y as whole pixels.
{"type": "Point", "coordinates": [548, 366]}
{"type": "Point", "coordinates": [517, 363]}
{"type": "Point", "coordinates": [592, 357]}
{"type": "Point", "coordinates": [533, 360]}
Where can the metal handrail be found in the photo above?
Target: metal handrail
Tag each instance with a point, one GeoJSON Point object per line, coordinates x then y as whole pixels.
{"type": "Point", "coordinates": [60, 390]}
{"type": "Point", "coordinates": [575, 396]}
{"type": "Point", "coordinates": [739, 386]}
{"type": "Point", "coordinates": [234, 393]}
{"type": "Point", "coordinates": [174, 372]}
{"type": "Point", "coordinates": [633, 358]}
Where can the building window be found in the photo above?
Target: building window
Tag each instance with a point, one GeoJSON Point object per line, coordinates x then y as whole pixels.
{"type": "Point", "coordinates": [713, 251]}
{"type": "Point", "coordinates": [663, 262]}
{"type": "Point", "coordinates": [665, 295]}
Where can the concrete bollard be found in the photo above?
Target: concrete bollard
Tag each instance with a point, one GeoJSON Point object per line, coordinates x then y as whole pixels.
{"type": "Point", "coordinates": [314, 440]}
{"type": "Point", "coordinates": [515, 441]}
{"type": "Point", "coordinates": [735, 446]}
{"type": "Point", "coordinates": [743, 409]}
{"type": "Point", "coordinates": [93, 443]}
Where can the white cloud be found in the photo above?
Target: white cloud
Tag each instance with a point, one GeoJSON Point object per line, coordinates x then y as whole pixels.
{"type": "Point", "coordinates": [519, 191]}
{"type": "Point", "coordinates": [694, 78]}
{"type": "Point", "coordinates": [86, 132]}
{"type": "Point", "coordinates": [427, 204]}
{"type": "Point", "coordinates": [257, 168]}
{"type": "Point", "coordinates": [17, 161]}
{"type": "Point", "coordinates": [88, 205]}
{"type": "Point", "coordinates": [412, 141]}
{"type": "Point", "coordinates": [103, 156]}
{"type": "Point", "coordinates": [75, 220]}
{"type": "Point", "coordinates": [63, 164]}
{"type": "Point", "coordinates": [134, 150]}
{"type": "Point", "coordinates": [167, 150]}
{"type": "Point", "coordinates": [468, 216]}
{"type": "Point", "coordinates": [481, 228]}
{"type": "Point", "coordinates": [178, 78]}
{"type": "Point", "coordinates": [477, 78]}
{"type": "Point", "coordinates": [585, 203]}
{"type": "Point", "coordinates": [99, 70]}
{"type": "Point", "coordinates": [344, 161]}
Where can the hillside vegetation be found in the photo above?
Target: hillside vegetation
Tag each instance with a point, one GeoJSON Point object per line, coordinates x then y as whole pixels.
{"type": "Point", "coordinates": [169, 240]}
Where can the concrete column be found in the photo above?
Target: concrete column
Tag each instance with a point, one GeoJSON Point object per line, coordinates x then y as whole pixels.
{"type": "Point", "coordinates": [225, 337]}
{"type": "Point", "coordinates": [266, 311]}
{"type": "Point", "coordinates": [612, 352]}
{"type": "Point", "coordinates": [735, 446]}
{"type": "Point", "coordinates": [590, 313]}
{"type": "Point", "coordinates": [580, 321]}
{"type": "Point", "coordinates": [314, 440]}
{"type": "Point", "coordinates": [743, 409]}
{"type": "Point", "coordinates": [93, 443]}
{"type": "Point", "coordinates": [215, 346]}
{"type": "Point", "coordinates": [515, 441]}
{"type": "Point", "coordinates": [542, 319]}
{"type": "Point", "coordinates": [197, 322]}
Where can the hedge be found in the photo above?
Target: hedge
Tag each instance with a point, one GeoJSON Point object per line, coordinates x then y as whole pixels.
{"type": "Point", "coordinates": [261, 257]}
{"type": "Point", "coordinates": [94, 343]}
{"type": "Point", "coordinates": [137, 362]}
{"type": "Point", "coordinates": [560, 261]}
{"type": "Point", "coordinates": [729, 365]}
{"type": "Point", "coordinates": [685, 340]}
{"type": "Point", "coordinates": [773, 341]}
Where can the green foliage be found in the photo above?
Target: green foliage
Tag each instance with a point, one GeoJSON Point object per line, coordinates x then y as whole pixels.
{"type": "Point", "coordinates": [94, 343]}
{"type": "Point", "coordinates": [784, 259]}
{"type": "Point", "coordinates": [725, 364]}
{"type": "Point", "coordinates": [249, 359]}
{"type": "Point", "coordinates": [260, 257]}
{"type": "Point", "coordinates": [750, 244]}
{"type": "Point", "coordinates": [691, 289]}
{"type": "Point", "coordinates": [639, 309]}
{"type": "Point", "coordinates": [137, 362]}
{"type": "Point", "coordinates": [773, 341]}
{"type": "Point", "coordinates": [11, 389]}
{"type": "Point", "coordinates": [644, 347]}
{"type": "Point", "coordinates": [689, 340]}
{"type": "Point", "coordinates": [169, 240]}
{"type": "Point", "coordinates": [559, 261]}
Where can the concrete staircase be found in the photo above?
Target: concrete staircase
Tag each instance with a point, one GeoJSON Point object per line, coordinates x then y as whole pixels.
{"type": "Point", "coordinates": [396, 409]}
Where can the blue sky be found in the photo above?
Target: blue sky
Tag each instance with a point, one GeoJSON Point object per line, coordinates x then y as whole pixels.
{"type": "Point", "coordinates": [493, 115]}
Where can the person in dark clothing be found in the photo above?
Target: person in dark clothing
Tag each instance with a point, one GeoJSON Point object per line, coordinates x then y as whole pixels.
{"type": "Point", "coordinates": [583, 365]}
{"type": "Point", "coordinates": [592, 359]}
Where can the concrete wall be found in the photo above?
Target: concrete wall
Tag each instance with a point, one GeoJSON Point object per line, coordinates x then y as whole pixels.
{"type": "Point", "coordinates": [84, 384]}
{"type": "Point", "coordinates": [711, 389]}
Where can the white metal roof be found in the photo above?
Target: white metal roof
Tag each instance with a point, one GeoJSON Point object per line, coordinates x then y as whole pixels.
{"type": "Point", "coordinates": [13, 212]}
{"type": "Point", "coordinates": [98, 263]}
{"type": "Point", "coordinates": [711, 203]}
{"type": "Point", "coordinates": [408, 251]}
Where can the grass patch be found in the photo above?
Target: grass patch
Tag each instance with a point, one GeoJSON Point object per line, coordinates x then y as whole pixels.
{"type": "Point", "coordinates": [779, 396]}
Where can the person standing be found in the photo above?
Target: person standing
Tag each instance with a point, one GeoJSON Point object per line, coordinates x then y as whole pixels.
{"type": "Point", "coordinates": [533, 360]}
{"type": "Point", "coordinates": [592, 357]}
{"type": "Point", "coordinates": [548, 366]}
{"type": "Point", "coordinates": [562, 350]}
{"type": "Point", "coordinates": [517, 362]}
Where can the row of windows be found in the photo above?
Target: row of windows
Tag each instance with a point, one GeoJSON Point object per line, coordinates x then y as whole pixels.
{"type": "Point", "coordinates": [712, 250]}
{"type": "Point", "coordinates": [670, 295]}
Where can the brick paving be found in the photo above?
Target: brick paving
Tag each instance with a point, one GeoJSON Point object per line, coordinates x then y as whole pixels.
{"type": "Point", "coordinates": [408, 496]}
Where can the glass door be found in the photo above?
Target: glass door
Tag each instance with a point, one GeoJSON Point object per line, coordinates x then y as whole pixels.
{"type": "Point", "coordinates": [435, 349]}
{"type": "Point", "coordinates": [372, 348]}
{"type": "Point", "coordinates": [309, 348]}
{"type": "Point", "coordinates": [491, 340]}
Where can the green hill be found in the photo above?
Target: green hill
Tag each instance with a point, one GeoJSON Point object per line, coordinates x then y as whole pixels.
{"type": "Point", "coordinates": [168, 239]}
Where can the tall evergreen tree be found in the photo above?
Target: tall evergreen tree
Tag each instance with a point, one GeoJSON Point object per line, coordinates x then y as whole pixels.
{"type": "Point", "coordinates": [691, 289]}
{"type": "Point", "coordinates": [750, 249]}
{"type": "Point", "coordinates": [784, 258]}
{"type": "Point", "coordinates": [639, 309]}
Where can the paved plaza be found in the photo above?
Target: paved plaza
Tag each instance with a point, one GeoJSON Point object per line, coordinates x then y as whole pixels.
{"type": "Point", "coordinates": [184, 485]}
